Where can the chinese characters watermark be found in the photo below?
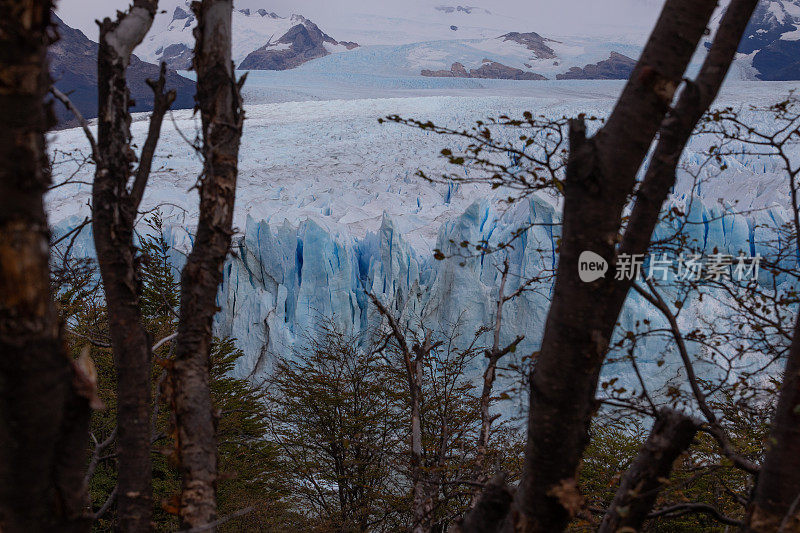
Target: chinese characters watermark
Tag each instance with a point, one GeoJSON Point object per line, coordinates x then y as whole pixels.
{"type": "Point", "coordinates": [660, 267]}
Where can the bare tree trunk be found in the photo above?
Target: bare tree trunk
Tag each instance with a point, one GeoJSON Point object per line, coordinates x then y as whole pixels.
{"type": "Point", "coordinates": [493, 356]}
{"type": "Point", "coordinates": [44, 408]}
{"type": "Point", "coordinates": [671, 435]}
{"type": "Point", "coordinates": [222, 116]}
{"type": "Point", "coordinates": [776, 502]}
{"type": "Point", "coordinates": [422, 504]}
{"type": "Point", "coordinates": [600, 177]}
{"type": "Point", "coordinates": [424, 486]}
{"type": "Point", "coordinates": [114, 216]}
{"type": "Point", "coordinates": [490, 512]}
{"type": "Point", "coordinates": [582, 316]}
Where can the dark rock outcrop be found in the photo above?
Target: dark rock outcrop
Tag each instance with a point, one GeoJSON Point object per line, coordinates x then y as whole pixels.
{"type": "Point", "coordinates": [462, 9]}
{"type": "Point", "coordinates": [180, 14]}
{"type": "Point", "coordinates": [497, 71]}
{"type": "Point", "coordinates": [488, 70]}
{"type": "Point", "coordinates": [457, 70]}
{"type": "Point", "coordinates": [303, 42]}
{"type": "Point", "coordinates": [616, 67]}
{"type": "Point", "coordinates": [263, 12]}
{"type": "Point", "coordinates": [73, 67]}
{"type": "Point", "coordinates": [779, 61]}
{"type": "Point", "coordinates": [775, 59]}
{"type": "Point", "coordinates": [177, 56]}
{"type": "Point", "coordinates": [766, 26]}
{"type": "Point", "coordinates": [532, 41]}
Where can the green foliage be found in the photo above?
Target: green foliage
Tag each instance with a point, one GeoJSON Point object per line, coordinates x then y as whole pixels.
{"type": "Point", "coordinates": [701, 475]}
{"type": "Point", "coordinates": [323, 445]}
{"type": "Point", "coordinates": [160, 285]}
{"type": "Point", "coordinates": [337, 416]}
{"type": "Point", "coordinates": [612, 448]}
{"type": "Point", "coordinates": [248, 463]}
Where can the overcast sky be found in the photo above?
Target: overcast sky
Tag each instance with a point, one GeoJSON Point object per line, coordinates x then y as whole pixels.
{"type": "Point", "coordinates": [563, 17]}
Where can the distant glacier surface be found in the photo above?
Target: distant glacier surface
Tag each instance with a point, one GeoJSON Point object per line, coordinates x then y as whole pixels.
{"type": "Point", "coordinates": [329, 207]}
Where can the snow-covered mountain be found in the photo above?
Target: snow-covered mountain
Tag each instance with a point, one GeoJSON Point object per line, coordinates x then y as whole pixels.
{"type": "Point", "coordinates": [772, 40]}
{"type": "Point", "coordinates": [171, 39]}
{"type": "Point", "coordinates": [73, 67]}
{"type": "Point", "coordinates": [588, 39]}
{"type": "Point", "coordinates": [429, 38]}
{"type": "Point", "coordinates": [303, 42]}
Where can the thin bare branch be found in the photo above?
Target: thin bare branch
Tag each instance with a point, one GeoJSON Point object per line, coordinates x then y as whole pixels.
{"type": "Point", "coordinates": [161, 104]}
{"type": "Point", "coordinates": [64, 99]}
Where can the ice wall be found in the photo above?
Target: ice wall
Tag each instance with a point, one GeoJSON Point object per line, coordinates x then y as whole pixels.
{"type": "Point", "coordinates": [283, 283]}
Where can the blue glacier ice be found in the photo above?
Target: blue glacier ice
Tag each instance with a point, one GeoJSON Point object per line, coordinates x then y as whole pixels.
{"type": "Point", "coordinates": [328, 209]}
{"type": "Point", "coordinates": [283, 283]}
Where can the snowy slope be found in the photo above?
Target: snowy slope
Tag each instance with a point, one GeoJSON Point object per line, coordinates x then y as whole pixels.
{"type": "Point", "coordinates": [252, 28]}
{"type": "Point", "coordinates": [417, 41]}
{"type": "Point", "coordinates": [385, 22]}
{"type": "Point", "coordinates": [770, 48]}
{"type": "Point", "coordinates": [414, 35]}
{"type": "Point", "coordinates": [411, 59]}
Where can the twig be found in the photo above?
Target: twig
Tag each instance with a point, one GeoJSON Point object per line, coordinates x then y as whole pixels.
{"type": "Point", "coordinates": [686, 508]}
{"type": "Point", "coordinates": [64, 99]}
{"type": "Point", "coordinates": [789, 514]}
{"type": "Point", "coordinates": [97, 454]}
{"type": "Point", "coordinates": [715, 429]}
{"type": "Point", "coordinates": [161, 104]}
{"type": "Point", "coordinates": [92, 341]}
{"type": "Point", "coordinates": [107, 505]}
{"type": "Point", "coordinates": [78, 228]}
{"type": "Point", "coordinates": [215, 523]}
{"type": "Point", "coordinates": [163, 341]}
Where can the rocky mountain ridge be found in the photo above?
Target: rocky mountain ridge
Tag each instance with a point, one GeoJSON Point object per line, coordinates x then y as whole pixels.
{"type": "Point", "coordinates": [303, 42]}
{"type": "Point", "coordinates": [73, 67]}
{"type": "Point", "coordinates": [616, 67]}
{"type": "Point", "coordinates": [772, 40]}
{"type": "Point", "coordinates": [488, 70]}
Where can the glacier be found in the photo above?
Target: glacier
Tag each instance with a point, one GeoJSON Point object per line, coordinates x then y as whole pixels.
{"type": "Point", "coordinates": [328, 208]}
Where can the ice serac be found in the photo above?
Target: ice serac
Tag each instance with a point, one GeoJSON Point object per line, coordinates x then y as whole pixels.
{"type": "Point", "coordinates": [284, 283]}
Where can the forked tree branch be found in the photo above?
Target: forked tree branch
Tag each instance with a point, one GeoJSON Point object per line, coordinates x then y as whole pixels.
{"type": "Point", "coordinates": [672, 434]}
{"type": "Point", "coordinates": [715, 429]}
{"type": "Point", "coordinates": [678, 127]}
{"type": "Point", "coordinates": [161, 104]}
{"type": "Point", "coordinates": [64, 99]}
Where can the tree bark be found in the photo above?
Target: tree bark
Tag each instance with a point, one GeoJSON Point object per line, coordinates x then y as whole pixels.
{"type": "Point", "coordinates": [424, 486]}
{"type": "Point", "coordinates": [490, 512]}
{"type": "Point", "coordinates": [677, 129]}
{"type": "Point", "coordinates": [671, 435]}
{"type": "Point", "coordinates": [114, 216]}
{"type": "Point", "coordinates": [44, 407]}
{"type": "Point", "coordinates": [222, 116]}
{"type": "Point", "coordinates": [493, 356]}
{"type": "Point", "coordinates": [776, 502]}
{"type": "Point", "coordinates": [601, 174]}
